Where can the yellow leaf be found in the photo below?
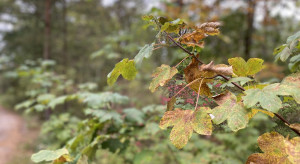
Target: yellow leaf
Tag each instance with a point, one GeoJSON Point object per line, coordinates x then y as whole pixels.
{"type": "Point", "coordinates": [255, 111]}
{"type": "Point", "coordinates": [243, 68]}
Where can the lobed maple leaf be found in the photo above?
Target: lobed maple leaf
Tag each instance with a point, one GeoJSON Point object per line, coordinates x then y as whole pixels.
{"type": "Point", "coordinates": [145, 52]}
{"type": "Point", "coordinates": [126, 68]}
{"type": "Point", "coordinates": [243, 68]}
{"type": "Point", "coordinates": [229, 109]}
{"type": "Point", "coordinates": [291, 86]}
{"type": "Point", "coordinates": [184, 122]}
{"type": "Point", "coordinates": [277, 150]}
{"type": "Point", "coordinates": [266, 97]}
{"type": "Point", "coordinates": [161, 76]}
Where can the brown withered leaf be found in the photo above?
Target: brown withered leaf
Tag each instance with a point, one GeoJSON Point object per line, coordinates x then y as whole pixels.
{"type": "Point", "coordinates": [192, 72]}
{"type": "Point", "coordinates": [222, 69]}
{"type": "Point", "coordinates": [210, 28]}
{"type": "Point", "coordinates": [194, 38]}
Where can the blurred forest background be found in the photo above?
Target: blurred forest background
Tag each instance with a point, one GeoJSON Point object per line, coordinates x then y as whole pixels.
{"type": "Point", "coordinates": [53, 48]}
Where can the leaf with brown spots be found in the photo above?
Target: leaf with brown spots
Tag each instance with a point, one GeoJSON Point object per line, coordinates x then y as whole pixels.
{"type": "Point", "coordinates": [277, 150]}
{"type": "Point", "coordinates": [184, 122]}
{"type": "Point", "coordinates": [161, 76]}
{"type": "Point", "coordinates": [229, 109]}
{"type": "Point", "coordinates": [291, 86]}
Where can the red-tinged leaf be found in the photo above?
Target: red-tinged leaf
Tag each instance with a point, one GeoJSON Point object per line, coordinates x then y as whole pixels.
{"type": "Point", "coordinates": [184, 122]}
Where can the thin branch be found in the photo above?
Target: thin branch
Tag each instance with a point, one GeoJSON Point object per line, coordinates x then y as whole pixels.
{"type": "Point", "coordinates": [226, 78]}
{"type": "Point", "coordinates": [287, 123]}
{"type": "Point", "coordinates": [157, 48]}
{"type": "Point", "coordinates": [234, 83]}
{"type": "Point", "coordinates": [182, 61]}
{"type": "Point", "coordinates": [192, 83]}
{"type": "Point", "coordinates": [185, 50]}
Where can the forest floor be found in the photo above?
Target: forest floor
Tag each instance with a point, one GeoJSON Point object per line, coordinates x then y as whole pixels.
{"type": "Point", "coordinates": [16, 138]}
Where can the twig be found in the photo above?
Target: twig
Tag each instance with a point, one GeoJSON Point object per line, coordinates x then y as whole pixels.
{"type": "Point", "coordinates": [226, 78]}
{"type": "Point", "coordinates": [181, 61]}
{"type": "Point", "coordinates": [157, 48]}
{"type": "Point", "coordinates": [192, 83]}
{"type": "Point", "coordinates": [287, 123]}
{"type": "Point", "coordinates": [234, 83]}
{"type": "Point", "coordinates": [185, 50]}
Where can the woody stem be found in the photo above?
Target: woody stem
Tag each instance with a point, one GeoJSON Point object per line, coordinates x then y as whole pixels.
{"type": "Point", "coordinates": [226, 78]}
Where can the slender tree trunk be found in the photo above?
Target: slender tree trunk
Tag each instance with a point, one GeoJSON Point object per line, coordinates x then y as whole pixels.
{"type": "Point", "coordinates": [47, 32]}
{"type": "Point", "coordinates": [47, 42]}
{"type": "Point", "coordinates": [65, 34]}
{"type": "Point", "coordinates": [250, 28]}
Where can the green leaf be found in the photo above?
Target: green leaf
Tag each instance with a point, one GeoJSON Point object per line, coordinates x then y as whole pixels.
{"type": "Point", "coordinates": [243, 68]}
{"type": "Point", "coordinates": [266, 97]}
{"type": "Point", "coordinates": [115, 145]}
{"type": "Point", "coordinates": [145, 52]}
{"type": "Point", "coordinates": [101, 100]}
{"type": "Point", "coordinates": [293, 37]}
{"type": "Point", "coordinates": [242, 80]}
{"type": "Point", "coordinates": [48, 155]}
{"type": "Point", "coordinates": [185, 122]}
{"type": "Point", "coordinates": [291, 86]}
{"type": "Point", "coordinates": [229, 109]}
{"type": "Point", "coordinates": [161, 76]}
{"type": "Point", "coordinates": [126, 68]}
{"type": "Point", "coordinates": [105, 115]}
{"type": "Point", "coordinates": [134, 115]}
{"type": "Point", "coordinates": [294, 64]}
{"type": "Point", "coordinates": [57, 101]}
{"type": "Point", "coordinates": [24, 104]}
{"type": "Point", "coordinates": [144, 157]}
{"type": "Point", "coordinates": [279, 49]}
{"type": "Point", "coordinates": [45, 98]}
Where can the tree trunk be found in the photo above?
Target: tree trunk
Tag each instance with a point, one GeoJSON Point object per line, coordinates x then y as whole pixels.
{"type": "Point", "coordinates": [250, 28]}
{"type": "Point", "coordinates": [47, 32]}
{"type": "Point", "coordinates": [65, 34]}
